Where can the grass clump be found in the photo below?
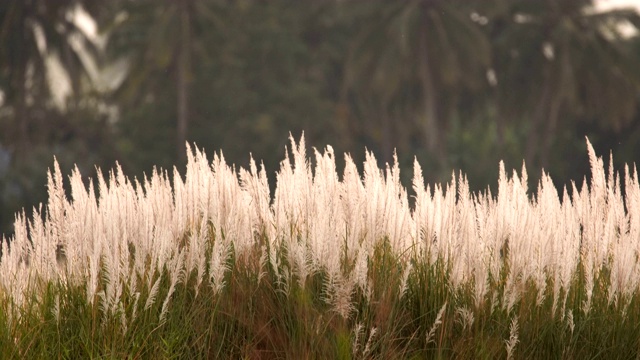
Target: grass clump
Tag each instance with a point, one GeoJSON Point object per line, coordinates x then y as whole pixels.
{"type": "Point", "coordinates": [331, 267]}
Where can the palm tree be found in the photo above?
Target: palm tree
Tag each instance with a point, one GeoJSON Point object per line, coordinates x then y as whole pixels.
{"type": "Point", "coordinates": [47, 63]}
{"type": "Point", "coordinates": [38, 52]}
{"type": "Point", "coordinates": [413, 58]}
{"type": "Point", "coordinates": [157, 39]}
{"type": "Point", "coordinates": [558, 60]}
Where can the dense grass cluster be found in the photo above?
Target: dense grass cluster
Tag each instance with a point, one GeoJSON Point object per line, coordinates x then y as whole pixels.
{"type": "Point", "coordinates": [329, 267]}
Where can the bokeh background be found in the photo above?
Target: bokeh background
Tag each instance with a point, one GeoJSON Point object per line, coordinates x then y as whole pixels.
{"type": "Point", "coordinates": [457, 84]}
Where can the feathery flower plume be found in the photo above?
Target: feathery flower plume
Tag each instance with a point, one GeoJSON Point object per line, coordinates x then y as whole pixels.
{"type": "Point", "coordinates": [119, 235]}
{"type": "Point", "coordinates": [436, 324]}
{"type": "Point", "coordinates": [511, 343]}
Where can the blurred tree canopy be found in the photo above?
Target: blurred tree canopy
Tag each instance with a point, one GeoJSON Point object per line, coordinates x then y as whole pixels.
{"type": "Point", "coordinates": [458, 84]}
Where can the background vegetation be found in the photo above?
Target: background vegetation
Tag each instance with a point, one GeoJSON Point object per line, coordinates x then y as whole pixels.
{"type": "Point", "coordinates": [459, 84]}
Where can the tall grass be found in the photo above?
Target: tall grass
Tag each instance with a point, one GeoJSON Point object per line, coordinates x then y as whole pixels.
{"type": "Point", "coordinates": [330, 267]}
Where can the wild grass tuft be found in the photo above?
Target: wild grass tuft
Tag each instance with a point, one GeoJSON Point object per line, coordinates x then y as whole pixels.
{"type": "Point", "coordinates": [210, 266]}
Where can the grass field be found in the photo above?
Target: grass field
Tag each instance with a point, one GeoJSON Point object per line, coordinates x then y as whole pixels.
{"type": "Point", "coordinates": [330, 266]}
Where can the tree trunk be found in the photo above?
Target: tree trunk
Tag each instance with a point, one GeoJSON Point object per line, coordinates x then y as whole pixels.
{"type": "Point", "coordinates": [433, 137]}
{"type": "Point", "coordinates": [389, 140]}
{"type": "Point", "coordinates": [550, 130]}
{"type": "Point", "coordinates": [538, 119]}
{"type": "Point", "coordinates": [544, 123]}
{"type": "Point", "coordinates": [184, 73]}
{"type": "Point", "coordinates": [19, 84]}
{"type": "Point", "coordinates": [500, 126]}
{"type": "Point", "coordinates": [430, 103]}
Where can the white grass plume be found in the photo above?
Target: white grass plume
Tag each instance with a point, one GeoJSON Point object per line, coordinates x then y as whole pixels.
{"type": "Point", "coordinates": [109, 234]}
{"type": "Point", "coordinates": [511, 343]}
{"type": "Point", "coordinates": [432, 332]}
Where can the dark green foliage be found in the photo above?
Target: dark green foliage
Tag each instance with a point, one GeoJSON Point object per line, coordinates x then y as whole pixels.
{"type": "Point", "coordinates": [408, 75]}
